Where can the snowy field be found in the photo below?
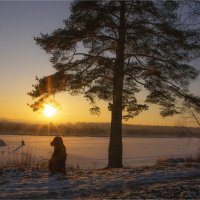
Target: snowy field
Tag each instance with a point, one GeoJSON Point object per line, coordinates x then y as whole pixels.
{"type": "Point", "coordinates": [91, 152]}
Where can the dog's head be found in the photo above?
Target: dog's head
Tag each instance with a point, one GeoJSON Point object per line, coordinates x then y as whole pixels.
{"type": "Point", "coordinates": [57, 141]}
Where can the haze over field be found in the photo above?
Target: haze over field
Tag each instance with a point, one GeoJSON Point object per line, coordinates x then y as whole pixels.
{"type": "Point", "coordinates": [95, 130]}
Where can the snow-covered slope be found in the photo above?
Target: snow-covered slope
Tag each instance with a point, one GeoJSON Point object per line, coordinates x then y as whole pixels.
{"type": "Point", "coordinates": [145, 182]}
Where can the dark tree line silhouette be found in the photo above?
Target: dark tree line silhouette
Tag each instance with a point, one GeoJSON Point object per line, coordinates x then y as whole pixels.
{"type": "Point", "coordinates": [96, 130]}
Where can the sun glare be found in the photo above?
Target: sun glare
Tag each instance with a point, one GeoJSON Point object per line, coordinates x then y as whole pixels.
{"type": "Point", "coordinates": [49, 110]}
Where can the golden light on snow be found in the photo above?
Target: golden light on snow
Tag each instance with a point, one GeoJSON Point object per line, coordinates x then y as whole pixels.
{"type": "Point", "coordinates": [49, 110]}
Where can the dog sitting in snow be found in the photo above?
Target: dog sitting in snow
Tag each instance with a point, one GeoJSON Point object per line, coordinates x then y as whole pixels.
{"type": "Point", "coordinates": [58, 159]}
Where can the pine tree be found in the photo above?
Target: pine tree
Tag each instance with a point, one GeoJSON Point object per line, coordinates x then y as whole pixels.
{"type": "Point", "coordinates": [112, 50]}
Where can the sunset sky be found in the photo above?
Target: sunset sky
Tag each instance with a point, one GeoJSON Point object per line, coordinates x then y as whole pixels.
{"type": "Point", "coordinates": [21, 60]}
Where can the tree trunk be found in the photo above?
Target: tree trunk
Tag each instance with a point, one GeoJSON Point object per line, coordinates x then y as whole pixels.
{"type": "Point", "coordinates": [115, 144]}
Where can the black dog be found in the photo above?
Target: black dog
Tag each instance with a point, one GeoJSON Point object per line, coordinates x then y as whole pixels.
{"type": "Point", "coordinates": [58, 159]}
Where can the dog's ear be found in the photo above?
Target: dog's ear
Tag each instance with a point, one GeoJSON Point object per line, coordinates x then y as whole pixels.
{"type": "Point", "coordinates": [59, 140]}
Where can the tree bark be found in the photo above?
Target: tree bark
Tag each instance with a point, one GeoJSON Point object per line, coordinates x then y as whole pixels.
{"type": "Point", "coordinates": [115, 144]}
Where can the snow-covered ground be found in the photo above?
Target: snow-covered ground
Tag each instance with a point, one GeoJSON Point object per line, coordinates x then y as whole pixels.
{"type": "Point", "coordinates": [176, 180]}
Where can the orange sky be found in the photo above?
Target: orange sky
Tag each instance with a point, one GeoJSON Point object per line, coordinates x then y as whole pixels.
{"type": "Point", "coordinates": [21, 60]}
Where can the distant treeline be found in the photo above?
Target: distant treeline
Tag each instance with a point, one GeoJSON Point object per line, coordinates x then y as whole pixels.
{"type": "Point", "coordinates": [93, 129]}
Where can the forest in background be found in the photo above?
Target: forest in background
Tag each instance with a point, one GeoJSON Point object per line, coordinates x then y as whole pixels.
{"type": "Point", "coordinates": [93, 129]}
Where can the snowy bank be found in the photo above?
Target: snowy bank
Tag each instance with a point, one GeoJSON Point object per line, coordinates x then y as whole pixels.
{"type": "Point", "coordinates": [179, 180]}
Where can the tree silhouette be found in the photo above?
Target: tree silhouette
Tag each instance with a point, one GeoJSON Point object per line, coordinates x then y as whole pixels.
{"type": "Point", "coordinates": [112, 50]}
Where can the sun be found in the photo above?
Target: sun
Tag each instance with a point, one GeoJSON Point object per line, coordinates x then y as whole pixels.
{"type": "Point", "coordinates": [49, 110]}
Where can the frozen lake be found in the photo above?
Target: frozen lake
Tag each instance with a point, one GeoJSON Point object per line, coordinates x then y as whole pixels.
{"type": "Point", "coordinates": [92, 151]}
